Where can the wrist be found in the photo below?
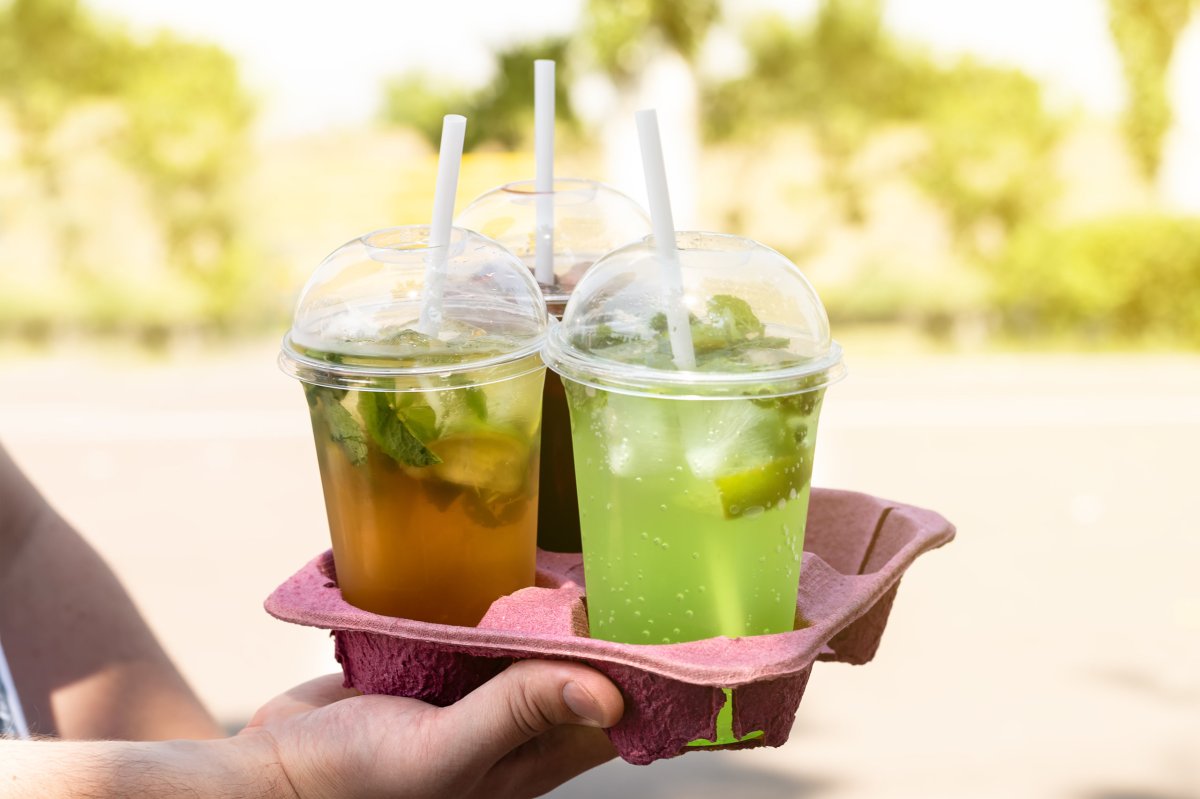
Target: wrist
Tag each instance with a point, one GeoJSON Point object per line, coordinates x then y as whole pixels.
{"type": "Point", "coordinates": [226, 768]}
{"type": "Point", "coordinates": [251, 762]}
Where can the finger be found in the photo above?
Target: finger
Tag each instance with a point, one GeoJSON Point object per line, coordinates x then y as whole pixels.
{"type": "Point", "coordinates": [313, 694]}
{"type": "Point", "coordinates": [541, 765]}
{"type": "Point", "coordinates": [522, 702]}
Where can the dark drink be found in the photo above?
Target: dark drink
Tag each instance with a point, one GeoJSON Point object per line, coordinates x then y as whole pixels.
{"type": "Point", "coordinates": [589, 219]}
{"type": "Point", "coordinates": [558, 501]}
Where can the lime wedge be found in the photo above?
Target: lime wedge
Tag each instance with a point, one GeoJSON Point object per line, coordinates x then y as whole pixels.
{"type": "Point", "coordinates": [723, 735]}
{"type": "Point", "coordinates": [761, 487]}
{"type": "Point", "coordinates": [483, 459]}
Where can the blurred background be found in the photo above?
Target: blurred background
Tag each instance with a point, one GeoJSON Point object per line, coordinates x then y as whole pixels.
{"type": "Point", "coordinates": [999, 202]}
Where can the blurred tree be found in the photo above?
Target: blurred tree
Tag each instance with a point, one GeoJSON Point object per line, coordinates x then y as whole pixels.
{"type": "Point", "coordinates": [1113, 280]}
{"type": "Point", "coordinates": [988, 163]}
{"type": "Point", "coordinates": [841, 74]}
{"type": "Point", "coordinates": [418, 101]}
{"type": "Point", "coordinates": [847, 79]}
{"type": "Point", "coordinates": [506, 102]}
{"type": "Point", "coordinates": [53, 58]}
{"type": "Point", "coordinates": [648, 49]}
{"type": "Point", "coordinates": [1145, 32]}
{"type": "Point", "coordinates": [623, 34]}
{"type": "Point", "coordinates": [187, 120]}
{"type": "Point", "coordinates": [183, 124]}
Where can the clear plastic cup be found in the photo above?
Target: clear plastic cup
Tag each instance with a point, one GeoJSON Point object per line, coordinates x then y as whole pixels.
{"type": "Point", "coordinates": [694, 485]}
{"type": "Point", "coordinates": [428, 445]}
{"type": "Point", "coordinates": [590, 219]}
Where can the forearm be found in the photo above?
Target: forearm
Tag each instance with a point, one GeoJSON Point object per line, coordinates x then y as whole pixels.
{"type": "Point", "coordinates": [85, 662]}
{"type": "Point", "coordinates": [236, 767]}
{"type": "Point", "coordinates": [20, 505]}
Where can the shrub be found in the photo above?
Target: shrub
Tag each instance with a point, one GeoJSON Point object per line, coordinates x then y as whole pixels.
{"type": "Point", "coordinates": [1120, 280]}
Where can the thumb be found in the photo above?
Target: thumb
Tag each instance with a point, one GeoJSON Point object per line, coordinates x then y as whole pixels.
{"type": "Point", "coordinates": [525, 700]}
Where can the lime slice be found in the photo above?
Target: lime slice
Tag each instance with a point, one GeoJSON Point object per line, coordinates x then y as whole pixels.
{"type": "Point", "coordinates": [483, 459]}
{"type": "Point", "coordinates": [723, 735]}
{"type": "Point", "coordinates": [761, 487]}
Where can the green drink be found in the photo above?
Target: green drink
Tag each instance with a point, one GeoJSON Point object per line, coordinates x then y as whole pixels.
{"type": "Point", "coordinates": [694, 483]}
{"type": "Point", "coordinates": [692, 512]}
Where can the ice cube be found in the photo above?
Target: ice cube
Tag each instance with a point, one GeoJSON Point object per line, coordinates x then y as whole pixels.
{"type": "Point", "coordinates": [723, 437]}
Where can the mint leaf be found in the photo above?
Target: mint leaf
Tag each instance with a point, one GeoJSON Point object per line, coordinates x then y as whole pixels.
{"type": "Point", "coordinates": [392, 434]}
{"type": "Point", "coordinates": [314, 393]}
{"type": "Point", "coordinates": [730, 322]}
{"type": "Point", "coordinates": [603, 337]}
{"type": "Point", "coordinates": [407, 338]}
{"type": "Point", "coordinates": [343, 429]}
{"type": "Point", "coordinates": [729, 337]}
{"type": "Point", "coordinates": [734, 315]}
{"type": "Point", "coordinates": [476, 402]}
{"type": "Point", "coordinates": [420, 419]}
{"type": "Point", "coordinates": [800, 404]}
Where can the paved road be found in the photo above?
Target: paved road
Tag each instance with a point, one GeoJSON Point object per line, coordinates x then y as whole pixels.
{"type": "Point", "coordinates": [1052, 651]}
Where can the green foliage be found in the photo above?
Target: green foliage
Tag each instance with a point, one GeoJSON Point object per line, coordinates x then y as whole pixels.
{"type": "Point", "coordinates": [187, 119]}
{"type": "Point", "coordinates": [618, 30]}
{"type": "Point", "coordinates": [343, 429]}
{"type": "Point", "coordinates": [418, 101]}
{"type": "Point", "coordinates": [500, 113]}
{"type": "Point", "coordinates": [1112, 280]}
{"type": "Point", "coordinates": [392, 429]}
{"type": "Point", "coordinates": [1145, 32]}
{"type": "Point", "coordinates": [847, 79]}
{"type": "Point", "coordinates": [840, 74]}
{"type": "Point", "coordinates": [988, 159]}
{"type": "Point", "coordinates": [52, 57]}
{"type": "Point", "coordinates": [182, 133]}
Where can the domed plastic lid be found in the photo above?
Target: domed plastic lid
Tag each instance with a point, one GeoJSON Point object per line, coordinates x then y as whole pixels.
{"type": "Point", "coordinates": [590, 219]}
{"type": "Point", "coordinates": [357, 322]}
{"type": "Point", "coordinates": [757, 325]}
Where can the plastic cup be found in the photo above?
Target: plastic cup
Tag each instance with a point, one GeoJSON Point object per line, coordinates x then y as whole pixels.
{"type": "Point", "coordinates": [590, 219]}
{"type": "Point", "coordinates": [428, 446]}
{"type": "Point", "coordinates": [694, 485]}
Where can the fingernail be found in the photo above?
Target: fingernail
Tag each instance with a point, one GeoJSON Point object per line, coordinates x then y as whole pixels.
{"type": "Point", "coordinates": [583, 704]}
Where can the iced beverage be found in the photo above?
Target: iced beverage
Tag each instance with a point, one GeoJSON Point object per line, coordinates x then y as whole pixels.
{"type": "Point", "coordinates": [693, 483]}
{"type": "Point", "coordinates": [692, 511]}
{"type": "Point", "coordinates": [590, 219]}
{"type": "Point", "coordinates": [427, 434]}
{"type": "Point", "coordinates": [431, 496]}
{"type": "Point", "coordinates": [558, 502]}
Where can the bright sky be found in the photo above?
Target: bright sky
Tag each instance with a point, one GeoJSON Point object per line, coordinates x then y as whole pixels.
{"type": "Point", "coordinates": [317, 64]}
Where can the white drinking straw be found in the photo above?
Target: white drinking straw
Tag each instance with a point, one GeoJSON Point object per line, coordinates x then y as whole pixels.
{"type": "Point", "coordinates": [678, 327]}
{"type": "Point", "coordinates": [454, 128]}
{"type": "Point", "coordinates": [543, 149]}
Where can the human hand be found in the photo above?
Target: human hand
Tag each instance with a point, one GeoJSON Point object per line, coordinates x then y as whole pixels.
{"type": "Point", "coordinates": [521, 734]}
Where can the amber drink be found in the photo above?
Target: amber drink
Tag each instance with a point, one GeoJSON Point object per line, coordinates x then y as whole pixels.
{"type": "Point", "coordinates": [428, 441]}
